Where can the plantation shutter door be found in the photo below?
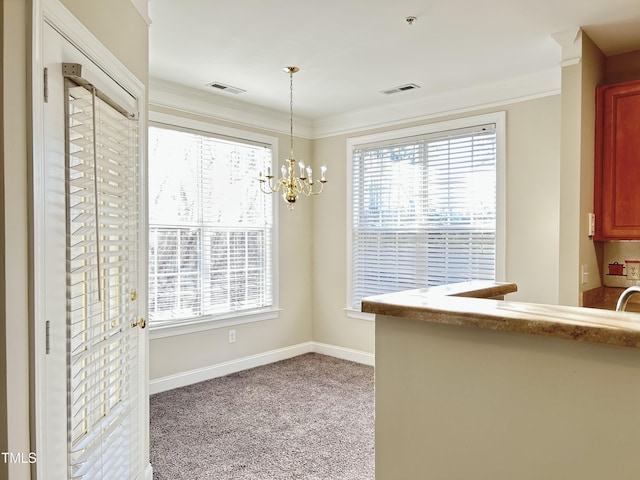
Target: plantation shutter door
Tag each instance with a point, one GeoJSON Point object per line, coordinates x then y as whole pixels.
{"type": "Point", "coordinates": [424, 211]}
{"type": "Point", "coordinates": [102, 262]}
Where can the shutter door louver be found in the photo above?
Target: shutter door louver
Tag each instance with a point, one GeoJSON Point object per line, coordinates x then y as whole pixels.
{"type": "Point", "coordinates": [102, 252]}
{"type": "Point", "coordinates": [424, 211]}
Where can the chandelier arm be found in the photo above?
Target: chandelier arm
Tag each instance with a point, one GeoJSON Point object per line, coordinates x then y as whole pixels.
{"type": "Point", "coordinates": [290, 184]}
{"type": "Point", "coordinates": [319, 191]}
{"type": "Point", "coordinates": [262, 187]}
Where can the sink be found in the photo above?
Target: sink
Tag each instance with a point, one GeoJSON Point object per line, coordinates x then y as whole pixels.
{"type": "Point", "coordinates": [621, 306]}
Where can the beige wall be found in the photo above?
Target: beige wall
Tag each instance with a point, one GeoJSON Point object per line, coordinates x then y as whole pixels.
{"type": "Point", "coordinates": [543, 201]}
{"type": "Point", "coordinates": [456, 402]}
{"type": "Point", "coordinates": [593, 67]}
{"type": "Point", "coordinates": [623, 68]}
{"type": "Point", "coordinates": [15, 241]}
{"type": "Point", "coordinates": [533, 195]}
{"type": "Point", "coordinates": [182, 353]}
{"type": "Point", "coordinates": [4, 472]}
{"type": "Point", "coordinates": [533, 199]}
{"type": "Point", "coordinates": [120, 27]}
{"type": "Point", "coordinates": [578, 124]}
{"type": "Point", "coordinates": [570, 191]}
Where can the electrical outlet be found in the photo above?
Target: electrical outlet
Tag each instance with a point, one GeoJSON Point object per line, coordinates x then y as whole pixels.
{"type": "Point", "coordinates": [633, 269]}
{"type": "Point", "coordinates": [232, 336]}
{"type": "Point", "coordinates": [585, 273]}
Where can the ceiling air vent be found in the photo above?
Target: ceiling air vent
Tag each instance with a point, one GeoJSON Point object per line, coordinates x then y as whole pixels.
{"type": "Point", "coordinates": [225, 88]}
{"type": "Point", "coordinates": [401, 88]}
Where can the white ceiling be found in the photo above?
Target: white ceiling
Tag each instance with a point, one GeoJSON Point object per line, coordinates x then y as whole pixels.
{"type": "Point", "coordinates": [350, 50]}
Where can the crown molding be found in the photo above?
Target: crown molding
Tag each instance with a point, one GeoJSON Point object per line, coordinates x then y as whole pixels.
{"type": "Point", "coordinates": [512, 90]}
{"type": "Point", "coordinates": [142, 6]}
{"type": "Point", "coordinates": [189, 100]}
{"type": "Point", "coordinates": [570, 42]}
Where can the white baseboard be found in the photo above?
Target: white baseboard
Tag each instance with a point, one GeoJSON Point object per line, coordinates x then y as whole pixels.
{"type": "Point", "coordinates": [201, 374]}
{"type": "Point", "coordinates": [206, 373]}
{"type": "Point", "coordinates": [148, 473]}
{"type": "Point", "coordinates": [357, 356]}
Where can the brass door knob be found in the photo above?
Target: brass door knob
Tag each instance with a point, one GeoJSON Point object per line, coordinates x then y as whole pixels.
{"type": "Point", "coordinates": [142, 323]}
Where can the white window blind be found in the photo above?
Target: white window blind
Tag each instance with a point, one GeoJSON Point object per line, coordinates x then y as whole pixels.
{"type": "Point", "coordinates": [424, 211]}
{"type": "Point", "coordinates": [102, 259]}
{"type": "Point", "coordinates": [210, 227]}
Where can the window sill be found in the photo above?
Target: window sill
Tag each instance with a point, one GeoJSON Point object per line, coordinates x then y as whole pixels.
{"type": "Point", "coordinates": [210, 323]}
{"type": "Point", "coordinates": [353, 313]}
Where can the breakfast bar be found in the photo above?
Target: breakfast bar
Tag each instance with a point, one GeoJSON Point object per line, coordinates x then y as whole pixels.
{"type": "Point", "coordinates": [472, 386]}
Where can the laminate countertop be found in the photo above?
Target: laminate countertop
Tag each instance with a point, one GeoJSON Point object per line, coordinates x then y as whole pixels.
{"type": "Point", "coordinates": [474, 304]}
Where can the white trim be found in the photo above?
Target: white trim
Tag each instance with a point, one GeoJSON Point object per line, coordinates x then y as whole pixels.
{"type": "Point", "coordinates": [200, 325]}
{"type": "Point", "coordinates": [190, 377]}
{"type": "Point", "coordinates": [209, 322]}
{"type": "Point", "coordinates": [168, 119]}
{"type": "Point", "coordinates": [570, 42]}
{"type": "Point", "coordinates": [55, 14]}
{"type": "Point", "coordinates": [463, 122]}
{"type": "Point", "coordinates": [142, 6]}
{"type": "Point", "coordinates": [569, 62]}
{"type": "Point", "coordinates": [499, 118]}
{"type": "Point", "coordinates": [494, 95]}
{"type": "Point", "coordinates": [353, 313]}
{"type": "Point", "coordinates": [350, 354]}
{"type": "Point", "coordinates": [214, 371]}
{"type": "Point", "coordinates": [148, 473]}
{"type": "Point", "coordinates": [219, 108]}
{"type": "Point", "coordinates": [37, 355]}
{"type": "Point", "coordinates": [213, 105]}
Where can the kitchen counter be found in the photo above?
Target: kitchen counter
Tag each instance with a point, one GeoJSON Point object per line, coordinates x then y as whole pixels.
{"type": "Point", "coordinates": [606, 298]}
{"type": "Point", "coordinates": [471, 304]}
{"type": "Point", "coordinates": [486, 389]}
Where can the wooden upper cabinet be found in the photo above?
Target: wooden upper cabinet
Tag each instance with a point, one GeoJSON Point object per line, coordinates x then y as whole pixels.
{"type": "Point", "coordinates": [617, 162]}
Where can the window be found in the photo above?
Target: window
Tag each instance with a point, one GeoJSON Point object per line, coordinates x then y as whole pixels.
{"type": "Point", "coordinates": [424, 207]}
{"type": "Point", "coordinates": [210, 227]}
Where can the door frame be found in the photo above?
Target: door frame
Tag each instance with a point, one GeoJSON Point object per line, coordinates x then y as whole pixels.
{"type": "Point", "coordinates": [52, 12]}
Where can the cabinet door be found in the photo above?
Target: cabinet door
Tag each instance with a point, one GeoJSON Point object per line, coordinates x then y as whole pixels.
{"type": "Point", "coordinates": [617, 156]}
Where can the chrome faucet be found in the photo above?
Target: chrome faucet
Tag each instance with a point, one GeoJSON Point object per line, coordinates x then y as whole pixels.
{"type": "Point", "coordinates": [621, 306]}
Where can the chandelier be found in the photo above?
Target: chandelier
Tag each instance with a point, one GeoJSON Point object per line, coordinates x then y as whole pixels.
{"type": "Point", "coordinates": [290, 183]}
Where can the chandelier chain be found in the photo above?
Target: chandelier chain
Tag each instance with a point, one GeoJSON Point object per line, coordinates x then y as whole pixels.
{"type": "Point", "coordinates": [290, 184]}
{"type": "Point", "coordinates": [291, 111]}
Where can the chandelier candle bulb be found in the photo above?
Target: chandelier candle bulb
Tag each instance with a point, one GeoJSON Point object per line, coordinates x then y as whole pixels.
{"type": "Point", "coordinates": [290, 185]}
{"type": "Point", "coordinates": [323, 172]}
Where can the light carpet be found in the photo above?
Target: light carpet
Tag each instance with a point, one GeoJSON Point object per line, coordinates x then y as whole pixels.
{"type": "Point", "coordinates": [310, 417]}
